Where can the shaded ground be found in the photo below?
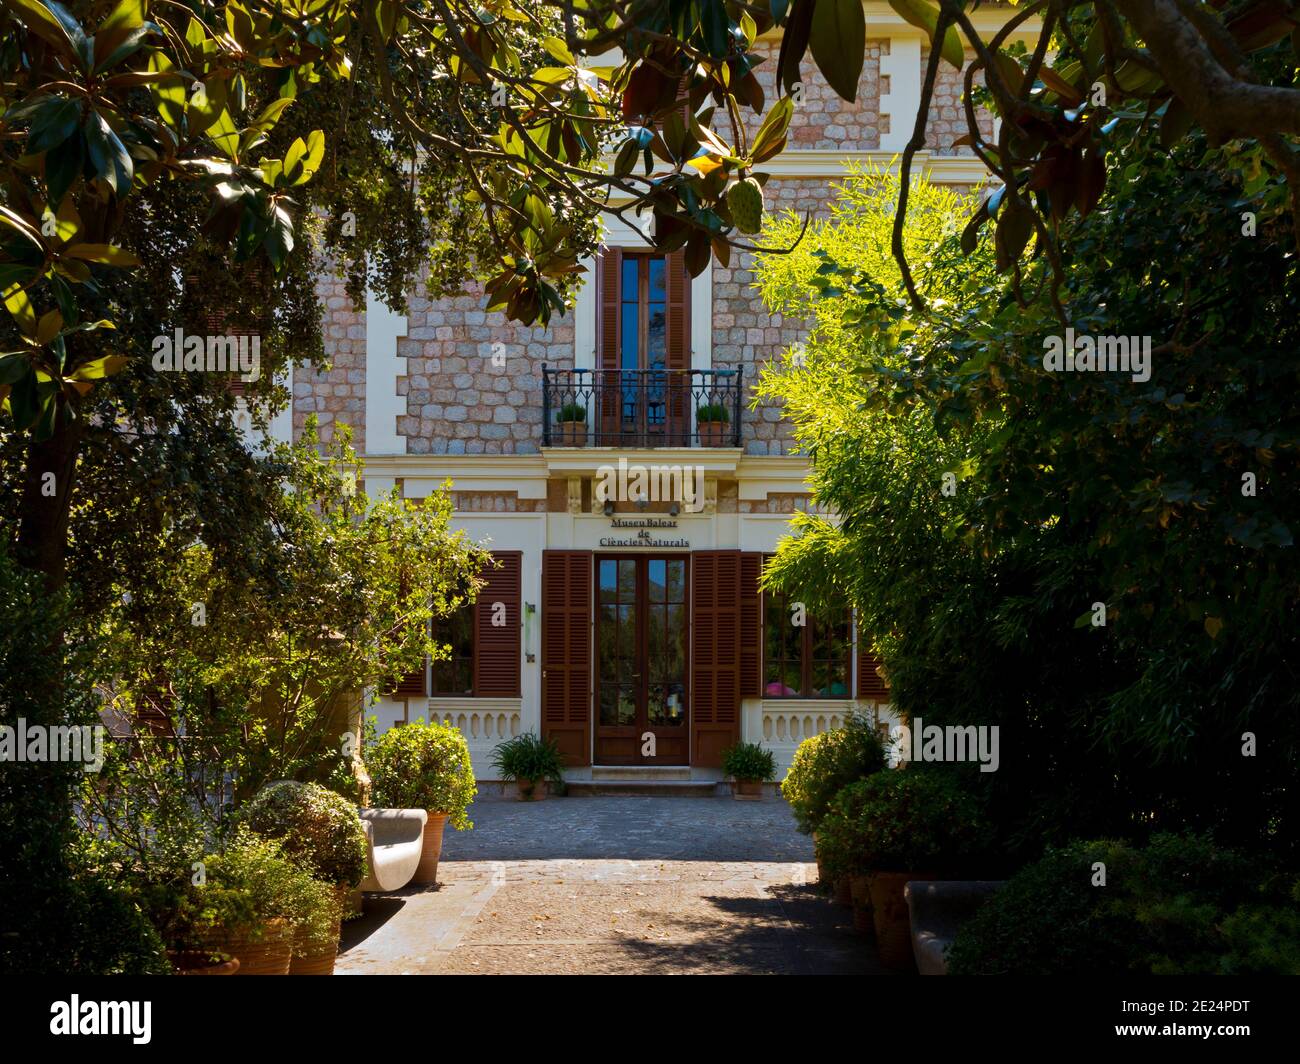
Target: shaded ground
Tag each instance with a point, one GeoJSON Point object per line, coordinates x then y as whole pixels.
{"type": "Point", "coordinates": [615, 886]}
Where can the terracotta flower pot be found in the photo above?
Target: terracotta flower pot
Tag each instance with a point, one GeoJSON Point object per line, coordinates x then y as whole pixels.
{"type": "Point", "coordinates": [572, 433]}
{"type": "Point", "coordinates": [199, 962]}
{"type": "Point", "coordinates": [713, 433]}
{"type": "Point", "coordinates": [531, 790]}
{"type": "Point", "coordinates": [267, 954]}
{"type": "Point", "coordinates": [889, 913]}
{"type": "Point", "coordinates": [320, 961]}
{"type": "Point", "coordinates": [426, 873]}
{"type": "Point", "coordinates": [863, 922]}
{"type": "Point", "coordinates": [747, 790]}
{"type": "Point", "coordinates": [843, 891]}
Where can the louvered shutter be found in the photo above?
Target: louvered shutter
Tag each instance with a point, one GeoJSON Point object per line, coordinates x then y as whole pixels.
{"type": "Point", "coordinates": [496, 647]}
{"type": "Point", "coordinates": [678, 349]}
{"type": "Point", "coordinates": [871, 688]}
{"type": "Point", "coordinates": [751, 625]}
{"type": "Point", "coordinates": [566, 652]}
{"type": "Point", "coordinates": [608, 269]}
{"type": "Point", "coordinates": [715, 653]}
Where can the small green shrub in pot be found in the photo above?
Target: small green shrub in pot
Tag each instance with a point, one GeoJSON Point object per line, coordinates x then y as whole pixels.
{"type": "Point", "coordinates": [903, 820]}
{"type": "Point", "coordinates": [528, 759]}
{"type": "Point", "coordinates": [423, 766]}
{"type": "Point", "coordinates": [316, 827]}
{"type": "Point", "coordinates": [1180, 905]}
{"type": "Point", "coordinates": [571, 412]}
{"type": "Point", "coordinates": [824, 764]}
{"type": "Point", "coordinates": [713, 413]}
{"type": "Point", "coordinates": [749, 763]}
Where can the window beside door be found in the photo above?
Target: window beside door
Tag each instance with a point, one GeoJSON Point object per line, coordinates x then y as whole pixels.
{"type": "Point", "coordinates": [454, 674]}
{"type": "Point", "coordinates": [811, 660]}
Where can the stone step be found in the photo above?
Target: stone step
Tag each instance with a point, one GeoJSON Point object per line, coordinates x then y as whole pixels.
{"type": "Point", "coordinates": [646, 788]}
{"type": "Point", "coordinates": [641, 772]}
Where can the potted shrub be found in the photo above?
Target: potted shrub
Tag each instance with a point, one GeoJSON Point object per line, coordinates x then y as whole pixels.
{"type": "Point", "coordinates": [322, 832]}
{"type": "Point", "coordinates": [712, 420]}
{"type": "Point", "coordinates": [531, 762]}
{"type": "Point", "coordinates": [248, 902]}
{"type": "Point", "coordinates": [822, 766]}
{"type": "Point", "coordinates": [424, 766]}
{"type": "Point", "coordinates": [896, 826]}
{"type": "Point", "coordinates": [749, 766]}
{"type": "Point", "coordinates": [572, 423]}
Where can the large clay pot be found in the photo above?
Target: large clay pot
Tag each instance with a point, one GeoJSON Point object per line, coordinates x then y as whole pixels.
{"type": "Point", "coordinates": [426, 873]}
{"type": "Point", "coordinates": [267, 954]}
{"type": "Point", "coordinates": [713, 433]}
{"type": "Point", "coordinates": [572, 433]}
{"type": "Point", "coordinates": [843, 891]}
{"type": "Point", "coordinates": [321, 960]}
{"type": "Point", "coordinates": [747, 790]}
{"type": "Point", "coordinates": [863, 923]}
{"type": "Point", "coordinates": [531, 790]}
{"type": "Point", "coordinates": [893, 923]}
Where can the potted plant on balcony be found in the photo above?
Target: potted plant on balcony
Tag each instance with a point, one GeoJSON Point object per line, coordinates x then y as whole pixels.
{"type": "Point", "coordinates": [322, 832]}
{"type": "Point", "coordinates": [531, 762]}
{"type": "Point", "coordinates": [902, 825]}
{"type": "Point", "coordinates": [712, 420]}
{"type": "Point", "coordinates": [572, 423]}
{"type": "Point", "coordinates": [424, 766]}
{"type": "Point", "coordinates": [749, 766]}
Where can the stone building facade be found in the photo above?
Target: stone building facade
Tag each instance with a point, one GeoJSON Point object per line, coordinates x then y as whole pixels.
{"type": "Point", "coordinates": [450, 392]}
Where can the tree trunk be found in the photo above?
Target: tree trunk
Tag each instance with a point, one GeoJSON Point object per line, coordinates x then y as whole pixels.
{"type": "Point", "coordinates": [47, 502]}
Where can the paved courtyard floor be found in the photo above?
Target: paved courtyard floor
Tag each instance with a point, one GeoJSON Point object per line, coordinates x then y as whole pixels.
{"type": "Point", "coordinates": [614, 885]}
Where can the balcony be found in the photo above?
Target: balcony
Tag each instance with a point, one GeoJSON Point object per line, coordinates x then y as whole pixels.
{"type": "Point", "coordinates": [641, 408]}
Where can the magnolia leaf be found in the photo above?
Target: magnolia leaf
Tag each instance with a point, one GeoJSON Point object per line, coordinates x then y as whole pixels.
{"type": "Point", "coordinates": [839, 38]}
{"type": "Point", "coordinates": [925, 16]}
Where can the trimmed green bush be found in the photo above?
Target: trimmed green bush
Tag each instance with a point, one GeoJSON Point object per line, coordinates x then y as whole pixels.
{"type": "Point", "coordinates": [423, 766]}
{"type": "Point", "coordinates": [316, 827]}
{"type": "Point", "coordinates": [825, 764]}
{"type": "Point", "coordinates": [749, 762]}
{"type": "Point", "coordinates": [528, 757]}
{"type": "Point", "coordinates": [571, 412]}
{"type": "Point", "coordinates": [903, 820]}
{"type": "Point", "coordinates": [713, 413]}
{"type": "Point", "coordinates": [1180, 905]}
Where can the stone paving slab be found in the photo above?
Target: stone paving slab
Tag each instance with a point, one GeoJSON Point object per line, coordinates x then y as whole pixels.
{"type": "Point", "coordinates": [615, 886]}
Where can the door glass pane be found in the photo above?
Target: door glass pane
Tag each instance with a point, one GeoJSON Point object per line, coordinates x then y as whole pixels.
{"type": "Point", "coordinates": [608, 588]}
{"type": "Point", "coordinates": [667, 705]}
{"type": "Point", "coordinates": [657, 290]}
{"type": "Point", "coordinates": [676, 581]}
{"type": "Point", "coordinates": [657, 579]}
{"type": "Point", "coordinates": [627, 580]}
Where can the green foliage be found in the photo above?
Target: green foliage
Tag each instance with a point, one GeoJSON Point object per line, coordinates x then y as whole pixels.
{"type": "Point", "coordinates": [528, 756]}
{"type": "Point", "coordinates": [1179, 906]}
{"type": "Point", "coordinates": [749, 762]}
{"type": "Point", "coordinates": [245, 888]}
{"type": "Point", "coordinates": [423, 766]}
{"type": "Point", "coordinates": [984, 503]}
{"type": "Point", "coordinates": [826, 763]}
{"type": "Point", "coordinates": [572, 412]}
{"type": "Point", "coordinates": [712, 412]}
{"type": "Point", "coordinates": [316, 827]}
{"type": "Point", "coordinates": [904, 820]}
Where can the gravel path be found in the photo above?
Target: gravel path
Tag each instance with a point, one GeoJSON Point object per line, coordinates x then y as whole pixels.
{"type": "Point", "coordinates": [615, 885]}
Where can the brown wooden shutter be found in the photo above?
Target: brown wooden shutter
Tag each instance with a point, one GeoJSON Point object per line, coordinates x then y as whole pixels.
{"type": "Point", "coordinates": [871, 688]}
{"type": "Point", "coordinates": [678, 345]}
{"type": "Point", "coordinates": [715, 653]}
{"type": "Point", "coordinates": [412, 685]}
{"type": "Point", "coordinates": [496, 649]}
{"type": "Point", "coordinates": [566, 652]}
{"type": "Point", "coordinates": [608, 271]}
{"type": "Point", "coordinates": [751, 625]}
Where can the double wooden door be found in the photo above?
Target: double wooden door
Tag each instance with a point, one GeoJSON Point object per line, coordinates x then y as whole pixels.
{"type": "Point", "coordinates": [642, 640]}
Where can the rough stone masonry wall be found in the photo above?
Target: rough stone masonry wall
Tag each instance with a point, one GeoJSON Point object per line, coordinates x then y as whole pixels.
{"type": "Point", "coordinates": [458, 400]}
{"type": "Point", "coordinates": [822, 121]}
{"type": "Point", "coordinates": [947, 112]}
{"type": "Point", "coordinates": [338, 395]}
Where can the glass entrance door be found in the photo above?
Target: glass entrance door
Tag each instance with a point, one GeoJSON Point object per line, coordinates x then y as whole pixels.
{"type": "Point", "coordinates": [641, 654]}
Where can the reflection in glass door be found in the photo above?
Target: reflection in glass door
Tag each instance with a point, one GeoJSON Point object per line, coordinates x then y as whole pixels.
{"type": "Point", "coordinates": [641, 654]}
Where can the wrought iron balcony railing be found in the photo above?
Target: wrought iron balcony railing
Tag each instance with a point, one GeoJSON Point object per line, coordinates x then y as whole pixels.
{"type": "Point", "coordinates": [641, 408]}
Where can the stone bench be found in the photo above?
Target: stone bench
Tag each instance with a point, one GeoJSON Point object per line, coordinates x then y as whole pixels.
{"type": "Point", "coordinates": [394, 841]}
{"type": "Point", "coordinates": [937, 910]}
